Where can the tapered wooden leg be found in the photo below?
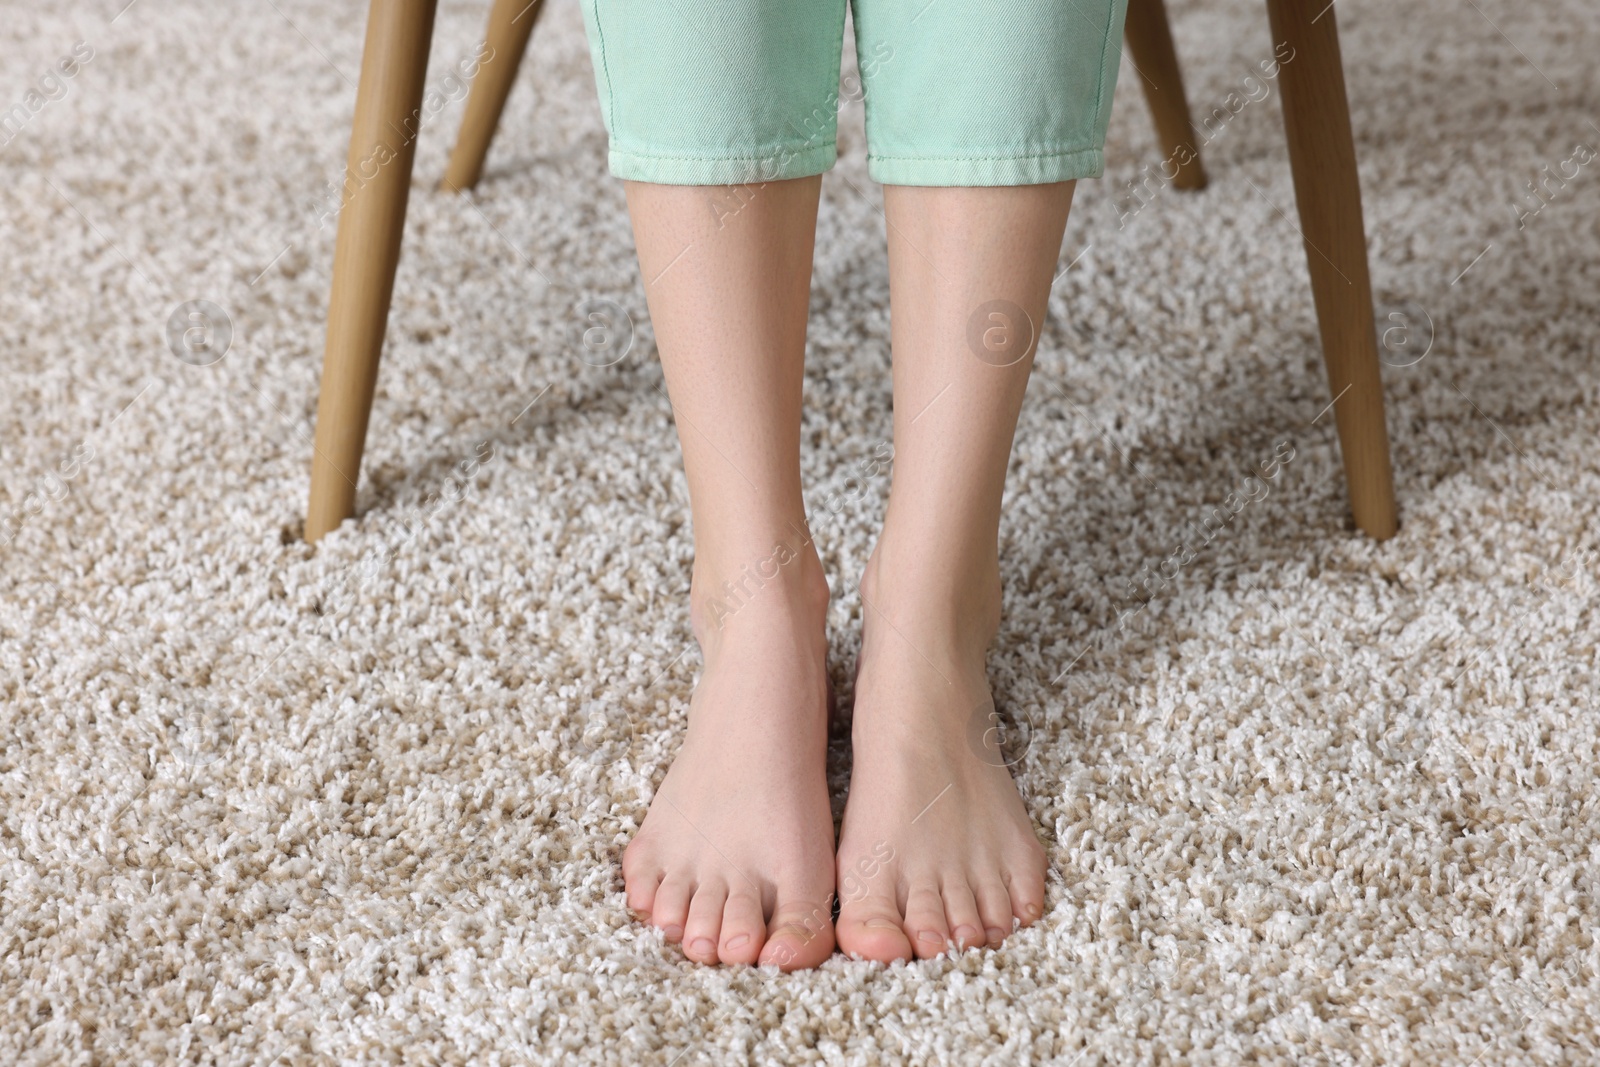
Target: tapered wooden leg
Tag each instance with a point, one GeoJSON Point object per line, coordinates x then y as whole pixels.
{"type": "Point", "coordinates": [1150, 46]}
{"type": "Point", "coordinates": [510, 26]}
{"type": "Point", "coordinates": [1316, 117]}
{"type": "Point", "coordinates": [372, 215]}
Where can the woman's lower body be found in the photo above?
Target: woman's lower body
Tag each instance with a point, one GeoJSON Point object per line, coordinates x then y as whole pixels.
{"type": "Point", "coordinates": [980, 114]}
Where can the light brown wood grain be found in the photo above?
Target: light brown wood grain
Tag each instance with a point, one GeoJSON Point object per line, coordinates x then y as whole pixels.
{"type": "Point", "coordinates": [510, 26]}
{"type": "Point", "coordinates": [1155, 62]}
{"type": "Point", "coordinates": [1327, 189]}
{"type": "Point", "coordinates": [394, 64]}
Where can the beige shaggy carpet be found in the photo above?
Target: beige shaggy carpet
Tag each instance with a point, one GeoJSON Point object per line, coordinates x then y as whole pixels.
{"type": "Point", "coordinates": [1307, 799]}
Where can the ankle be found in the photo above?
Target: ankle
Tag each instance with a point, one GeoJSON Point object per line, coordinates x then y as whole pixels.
{"type": "Point", "coordinates": [783, 577]}
{"type": "Point", "coordinates": [954, 603]}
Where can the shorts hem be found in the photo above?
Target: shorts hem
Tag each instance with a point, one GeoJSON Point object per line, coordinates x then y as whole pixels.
{"type": "Point", "coordinates": [778, 165]}
{"type": "Point", "coordinates": [987, 170]}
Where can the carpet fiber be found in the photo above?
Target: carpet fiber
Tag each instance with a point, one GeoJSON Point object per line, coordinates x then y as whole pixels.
{"type": "Point", "coordinates": [1306, 798]}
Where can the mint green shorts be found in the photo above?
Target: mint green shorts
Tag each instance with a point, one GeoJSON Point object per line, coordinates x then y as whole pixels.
{"type": "Point", "coordinates": [957, 92]}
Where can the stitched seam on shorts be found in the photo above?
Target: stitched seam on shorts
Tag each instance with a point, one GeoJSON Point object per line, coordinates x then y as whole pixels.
{"type": "Point", "coordinates": [838, 68]}
{"type": "Point", "coordinates": [803, 147]}
{"type": "Point", "coordinates": [984, 159]}
{"type": "Point", "coordinates": [1105, 46]}
{"type": "Point", "coordinates": [605, 67]}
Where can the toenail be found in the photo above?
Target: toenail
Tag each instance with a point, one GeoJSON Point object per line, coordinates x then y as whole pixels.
{"type": "Point", "coordinates": [703, 946]}
{"type": "Point", "coordinates": [930, 937]}
{"type": "Point", "coordinates": [996, 935]}
{"type": "Point", "coordinates": [672, 933]}
{"type": "Point", "coordinates": [739, 942]}
{"type": "Point", "coordinates": [882, 924]}
{"type": "Point", "coordinates": [1031, 912]}
{"type": "Point", "coordinates": [966, 933]}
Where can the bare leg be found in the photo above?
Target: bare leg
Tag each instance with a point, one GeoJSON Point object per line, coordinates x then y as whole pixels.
{"type": "Point", "coordinates": [736, 855]}
{"type": "Point", "coordinates": [936, 844]}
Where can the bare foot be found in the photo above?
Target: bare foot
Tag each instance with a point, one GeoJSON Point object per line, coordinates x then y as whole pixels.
{"type": "Point", "coordinates": [735, 858]}
{"type": "Point", "coordinates": [937, 848]}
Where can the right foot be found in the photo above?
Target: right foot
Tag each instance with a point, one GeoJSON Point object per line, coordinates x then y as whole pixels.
{"type": "Point", "coordinates": [735, 858]}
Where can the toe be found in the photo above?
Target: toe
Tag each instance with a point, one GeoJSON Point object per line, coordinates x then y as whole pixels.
{"type": "Point", "coordinates": [671, 907]}
{"type": "Point", "coordinates": [641, 878]}
{"type": "Point", "coordinates": [961, 915]}
{"type": "Point", "coordinates": [994, 907]}
{"type": "Point", "coordinates": [871, 927]}
{"type": "Point", "coordinates": [703, 929]}
{"type": "Point", "coordinates": [925, 924]}
{"type": "Point", "coordinates": [799, 935]}
{"type": "Point", "coordinates": [743, 931]}
{"type": "Point", "coordinates": [1027, 895]}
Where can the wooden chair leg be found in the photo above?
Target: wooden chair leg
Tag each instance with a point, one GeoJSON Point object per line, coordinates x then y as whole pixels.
{"type": "Point", "coordinates": [1327, 189]}
{"type": "Point", "coordinates": [510, 26]}
{"type": "Point", "coordinates": [1149, 37]}
{"type": "Point", "coordinates": [394, 65]}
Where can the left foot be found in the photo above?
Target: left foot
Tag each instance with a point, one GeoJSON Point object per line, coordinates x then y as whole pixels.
{"type": "Point", "coordinates": [937, 849]}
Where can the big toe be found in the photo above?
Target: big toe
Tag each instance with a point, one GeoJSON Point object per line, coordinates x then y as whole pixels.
{"type": "Point", "coordinates": [874, 930]}
{"type": "Point", "coordinates": [1026, 887]}
{"type": "Point", "coordinates": [799, 935]}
